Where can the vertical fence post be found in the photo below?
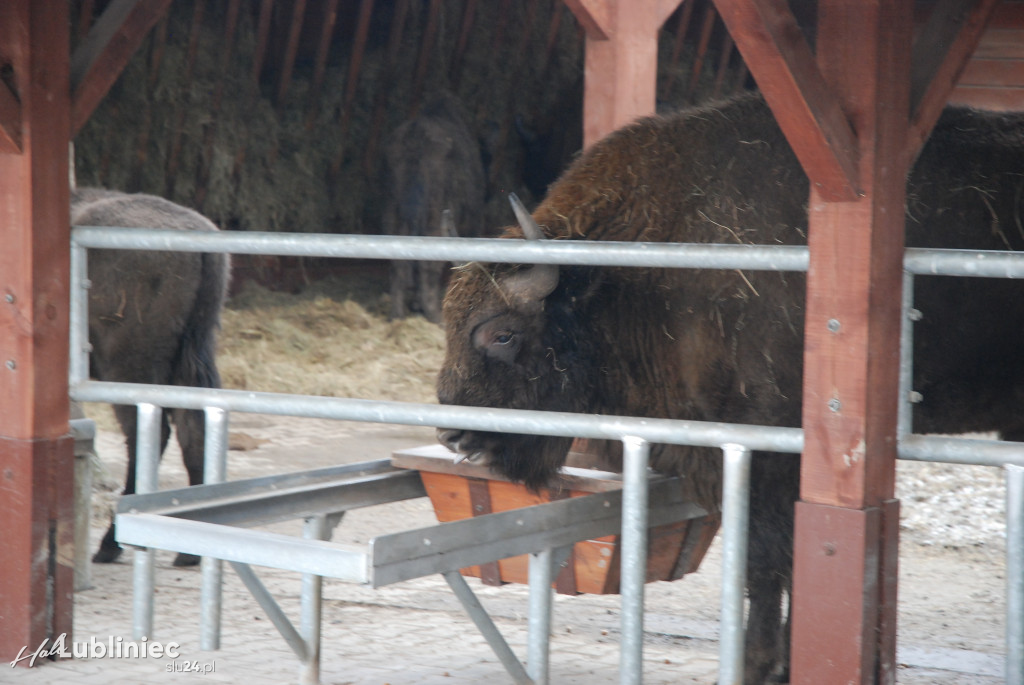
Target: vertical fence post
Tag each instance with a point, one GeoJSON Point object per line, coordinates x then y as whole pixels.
{"type": "Point", "coordinates": [538, 640]}
{"type": "Point", "coordinates": [735, 519]}
{"type": "Point", "coordinates": [636, 453]}
{"type": "Point", "coordinates": [905, 407]}
{"type": "Point", "coordinates": [78, 308]}
{"type": "Point", "coordinates": [1014, 574]}
{"type": "Point", "coordinates": [315, 528]}
{"type": "Point", "coordinates": [212, 570]}
{"type": "Point", "coordinates": [147, 462]}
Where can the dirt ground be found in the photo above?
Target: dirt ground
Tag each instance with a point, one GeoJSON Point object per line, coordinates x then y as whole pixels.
{"type": "Point", "coordinates": [952, 553]}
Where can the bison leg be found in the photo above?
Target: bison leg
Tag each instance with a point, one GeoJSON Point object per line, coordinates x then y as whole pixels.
{"type": "Point", "coordinates": [774, 489]}
{"type": "Point", "coordinates": [190, 427]}
{"type": "Point", "coordinates": [127, 416]}
{"type": "Point", "coordinates": [430, 293]}
{"type": "Point", "coordinates": [401, 278]}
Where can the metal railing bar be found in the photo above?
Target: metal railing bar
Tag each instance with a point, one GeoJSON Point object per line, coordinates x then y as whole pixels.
{"type": "Point", "coordinates": [662, 431]}
{"type": "Point", "coordinates": [593, 253]}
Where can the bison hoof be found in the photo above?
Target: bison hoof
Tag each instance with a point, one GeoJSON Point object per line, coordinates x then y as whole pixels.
{"type": "Point", "coordinates": [186, 559]}
{"type": "Point", "coordinates": [106, 555]}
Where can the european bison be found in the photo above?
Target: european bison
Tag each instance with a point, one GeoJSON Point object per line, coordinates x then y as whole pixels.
{"type": "Point", "coordinates": [153, 318]}
{"type": "Point", "coordinates": [727, 345]}
{"type": "Point", "coordinates": [433, 164]}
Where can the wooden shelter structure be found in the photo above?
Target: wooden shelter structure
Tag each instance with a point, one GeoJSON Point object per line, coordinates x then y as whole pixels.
{"type": "Point", "coordinates": [856, 111]}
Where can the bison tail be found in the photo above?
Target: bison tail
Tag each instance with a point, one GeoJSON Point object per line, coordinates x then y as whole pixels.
{"type": "Point", "coordinates": [197, 364]}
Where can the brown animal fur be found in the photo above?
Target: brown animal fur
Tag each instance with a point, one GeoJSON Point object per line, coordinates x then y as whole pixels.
{"type": "Point", "coordinates": [723, 345]}
{"type": "Point", "coordinates": [433, 164]}
{"type": "Point", "coordinates": [153, 318]}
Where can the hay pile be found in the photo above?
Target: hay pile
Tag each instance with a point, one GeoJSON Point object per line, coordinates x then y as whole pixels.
{"type": "Point", "coordinates": [334, 339]}
{"type": "Point", "coordinates": [204, 132]}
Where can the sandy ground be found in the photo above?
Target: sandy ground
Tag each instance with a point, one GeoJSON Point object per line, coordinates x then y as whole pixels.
{"type": "Point", "coordinates": [952, 580]}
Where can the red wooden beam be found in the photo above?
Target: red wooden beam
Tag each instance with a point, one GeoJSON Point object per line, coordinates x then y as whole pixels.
{"type": "Point", "coordinates": [468, 17]}
{"type": "Point", "coordinates": [948, 40]}
{"type": "Point", "coordinates": [427, 45]}
{"type": "Point", "coordinates": [845, 535]}
{"type": "Point", "coordinates": [36, 454]}
{"type": "Point", "coordinates": [620, 69]}
{"type": "Point", "coordinates": [710, 16]}
{"type": "Point", "coordinates": [10, 121]}
{"type": "Point", "coordinates": [685, 13]}
{"type": "Point", "coordinates": [291, 50]}
{"type": "Point", "coordinates": [103, 54]}
{"type": "Point", "coordinates": [13, 42]}
{"type": "Point", "coordinates": [808, 112]}
{"type": "Point", "coordinates": [323, 49]}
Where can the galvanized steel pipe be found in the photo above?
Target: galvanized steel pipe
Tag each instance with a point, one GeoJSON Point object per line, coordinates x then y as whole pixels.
{"type": "Point", "coordinates": [735, 519]}
{"type": "Point", "coordinates": [635, 456]}
{"type": "Point", "coordinates": [147, 462]}
{"type": "Point", "coordinates": [1014, 575]}
{"type": "Point", "coordinates": [212, 570]}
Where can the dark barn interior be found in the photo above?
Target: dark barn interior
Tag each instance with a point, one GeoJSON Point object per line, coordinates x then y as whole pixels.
{"type": "Point", "coordinates": [270, 116]}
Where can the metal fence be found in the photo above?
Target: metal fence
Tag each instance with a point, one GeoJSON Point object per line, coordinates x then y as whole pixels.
{"type": "Point", "coordinates": [737, 441]}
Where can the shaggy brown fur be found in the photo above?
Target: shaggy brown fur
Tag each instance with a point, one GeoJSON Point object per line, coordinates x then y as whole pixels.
{"type": "Point", "coordinates": [433, 164]}
{"type": "Point", "coordinates": [153, 318]}
{"type": "Point", "coordinates": [724, 345]}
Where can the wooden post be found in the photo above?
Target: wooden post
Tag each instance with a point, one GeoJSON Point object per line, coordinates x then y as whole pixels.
{"type": "Point", "coordinates": [621, 65]}
{"type": "Point", "coordinates": [36, 452]}
{"type": "Point", "coordinates": [846, 521]}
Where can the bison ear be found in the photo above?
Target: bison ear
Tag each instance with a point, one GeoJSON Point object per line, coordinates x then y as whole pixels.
{"type": "Point", "coordinates": [538, 281]}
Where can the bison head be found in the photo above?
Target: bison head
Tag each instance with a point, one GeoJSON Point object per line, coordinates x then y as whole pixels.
{"type": "Point", "coordinates": [515, 341]}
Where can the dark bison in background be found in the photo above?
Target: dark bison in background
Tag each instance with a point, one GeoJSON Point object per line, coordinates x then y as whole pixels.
{"type": "Point", "coordinates": [153, 318]}
{"type": "Point", "coordinates": [727, 345]}
{"type": "Point", "coordinates": [432, 164]}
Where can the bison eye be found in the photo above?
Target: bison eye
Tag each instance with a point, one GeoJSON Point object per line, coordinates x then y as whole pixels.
{"type": "Point", "coordinates": [498, 340]}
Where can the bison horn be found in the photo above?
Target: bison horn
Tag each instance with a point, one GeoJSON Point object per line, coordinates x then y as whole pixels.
{"type": "Point", "coordinates": [536, 282]}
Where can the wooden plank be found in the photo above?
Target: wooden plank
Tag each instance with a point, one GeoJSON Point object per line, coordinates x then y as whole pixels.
{"type": "Point", "coordinates": [837, 585]}
{"type": "Point", "coordinates": [769, 39]}
{"type": "Point", "coordinates": [10, 121]}
{"type": "Point", "coordinates": [620, 66]}
{"type": "Point", "coordinates": [851, 360]}
{"type": "Point", "coordinates": [1000, 44]}
{"type": "Point", "coordinates": [1008, 14]}
{"type": "Point", "coordinates": [993, 73]}
{"type": "Point", "coordinates": [291, 50]}
{"type": "Point", "coordinates": [36, 452]}
{"type": "Point", "coordinates": [101, 57]}
{"type": "Point", "coordinates": [11, 39]}
{"type": "Point", "coordinates": [996, 99]}
{"type": "Point", "coordinates": [947, 41]}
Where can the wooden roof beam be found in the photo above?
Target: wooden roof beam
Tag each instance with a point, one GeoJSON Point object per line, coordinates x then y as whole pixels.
{"type": "Point", "coordinates": [946, 43]}
{"type": "Point", "coordinates": [620, 68]}
{"type": "Point", "coordinates": [11, 40]}
{"type": "Point", "coordinates": [101, 57]}
{"type": "Point", "coordinates": [767, 35]}
{"type": "Point", "coordinates": [10, 121]}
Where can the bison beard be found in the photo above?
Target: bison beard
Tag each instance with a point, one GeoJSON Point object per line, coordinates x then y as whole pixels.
{"type": "Point", "coordinates": [728, 345]}
{"type": "Point", "coordinates": [153, 318]}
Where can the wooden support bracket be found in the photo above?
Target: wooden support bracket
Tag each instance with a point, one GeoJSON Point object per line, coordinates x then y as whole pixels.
{"type": "Point", "coordinates": [946, 43]}
{"type": "Point", "coordinates": [10, 121]}
{"type": "Point", "coordinates": [620, 71]}
{"type": "Point", "coordinates": [101, 57]}
{"type": "Point", "coordinates": [767, 35]}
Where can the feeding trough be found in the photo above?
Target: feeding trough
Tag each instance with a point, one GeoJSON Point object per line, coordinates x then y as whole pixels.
{"type": "Point", "coordinates": [465, 490]}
